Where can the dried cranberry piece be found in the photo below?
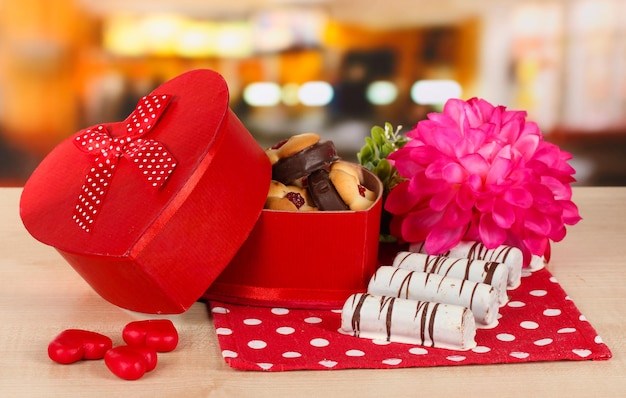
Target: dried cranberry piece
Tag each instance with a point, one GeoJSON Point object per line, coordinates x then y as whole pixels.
{"type": "Point", "coordinates": [295, 198]}
{"type": "Point", "coordinates": [279, 144]}
{"type": "Point", "coordinates": [361, 190]}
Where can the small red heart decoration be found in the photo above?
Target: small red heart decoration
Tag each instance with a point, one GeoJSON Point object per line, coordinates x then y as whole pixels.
{"type": "Point", "coordinates": [130, 363]}
{"type": "Point", "coordinates": [159, 334]}
{"type": "Point", "coordinates": [72, 345]}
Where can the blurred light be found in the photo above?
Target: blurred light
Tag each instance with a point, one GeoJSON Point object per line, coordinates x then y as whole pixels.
{"type": "Point", "coordinates": [197, 40]}
{"type": "Point", "coordinates": [434, 92]}
{"type": "Point", "coordinates": [160, 33]}
{"type": "Point", "coordinates": [234, 39]}
{"type": "Point", "coordinates": [171, 35]}
{"type": "Point", "coordinates": [381, 92]}
{"type": "Point", "coordinates": [290, 94]}
{"type": "Point", "coordinates": [280, 28]}
{"type": "Point", "coordinates": [122, 36]}
{"type": "Point", "coordinates": [315, 93]}
{"type": "Point", "coordinates": [262, 94]}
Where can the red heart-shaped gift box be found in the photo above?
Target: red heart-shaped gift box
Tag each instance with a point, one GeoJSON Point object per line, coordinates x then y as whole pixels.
{"type": "Point", "coordinates": [153, 248]}
{"type": "Point", "coordinates": [155, 210]}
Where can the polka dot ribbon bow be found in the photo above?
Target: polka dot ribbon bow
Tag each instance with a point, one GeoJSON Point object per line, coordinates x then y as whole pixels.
{"type": "Point", "coordinates": [149, 156]}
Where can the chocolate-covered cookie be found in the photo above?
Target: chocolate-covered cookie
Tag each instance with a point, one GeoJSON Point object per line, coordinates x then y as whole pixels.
{"type": "Point", "coordinates": [315, 157]}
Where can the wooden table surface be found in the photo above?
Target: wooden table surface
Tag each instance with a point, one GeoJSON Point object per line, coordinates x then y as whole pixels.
{"type": "Point", "coordinates": [41, 295]}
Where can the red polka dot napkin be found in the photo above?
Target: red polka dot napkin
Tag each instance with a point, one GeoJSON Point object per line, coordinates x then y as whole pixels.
{"type": "Point", "coordinates": [539, 323]}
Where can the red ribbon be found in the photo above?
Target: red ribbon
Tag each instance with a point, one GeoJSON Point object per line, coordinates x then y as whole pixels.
{"type": "Point", "coordinates": [149, 156]}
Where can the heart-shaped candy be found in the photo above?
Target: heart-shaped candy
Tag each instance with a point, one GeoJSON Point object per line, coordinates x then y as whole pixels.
{"type": "Point", "coordinates": [72, 345]}
{"type": "Point", "coordinates": [130, 362]}
{"type": "Point", "coordinates": [159, 334]}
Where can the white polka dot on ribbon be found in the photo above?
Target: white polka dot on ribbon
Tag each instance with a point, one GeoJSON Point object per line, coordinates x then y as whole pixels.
{"type": "Point", "coordinates": [152, 159]}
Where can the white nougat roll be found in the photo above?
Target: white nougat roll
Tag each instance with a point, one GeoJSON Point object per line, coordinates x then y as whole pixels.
{"type": "Point", "coordinates": [509, 255]}
{"type": "Point", "coordinates": [490, 272]}
{"type": "Point", "coordinates": [408, 321]}
{"type": "Point", "coordinates": [480, 298]}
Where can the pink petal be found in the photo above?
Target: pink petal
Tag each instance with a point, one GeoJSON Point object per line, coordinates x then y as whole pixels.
{"type": "Point", "coordinates": [558, 233]}
{"type": "Point", "coordinates": [475, 182]}
{"type": "Point", "coordinates": [454, 216]}
{"type": "Point", "coordinates": [518, 197]}
{"type": "Point", "coordinates": [416, 225]}
{"type": "Point", "coordinates": [548, 252]}
{"type": "Point", "coordinates": [400, 200]}
{"type": "Point", "coordinates": [570, 212]}
{"type": "Point", "coordinates": [512, 129]}
{"type": "Point", "coordinates": [485, 203]}
{"type": "Point", "coordinates": [548, 153]}
{"type": "Point", "coordinates": [395, 227]}
{"type": "Point", "coordinates": [434, 170]}
{"type": "Point", "coordinates": [560, 190]}
{"type": "Point", "coordinates": [403, 161]}
{"type": "Point", "coordinates": [454, 108]}
{"type": "Point", "coordinates": [503, 214]}
{"type": "Point", "coordinates": [500, 169]}
{"type": "Point", "coordinates": [490, 233]}
{"type": "Point", "coordinates": [476, 137]}
{"type": "Point", "coordinates": [536, 244]}
{"type": "Point", "coordinates": [505, 152]}
{"type": "Point", "coordinates": [424, 186]}
{"type": "Point", "coordinates": [475, 164]}
{"type": "Point", "coordinates": [479, 112]}
{"type": "Point", "coordinates": [442, 239]}
{"type": "Point", "coordinates": [472, 233]}
{"type": "Point", "coordinates": [543, 199]}
{"type": "Point", "coordinates": [425, 154]}
{"type": "Point", "coordinates": [537, 222]}
{"type": "Point", "coordinates": [530, 128]}
{"type": "Point", "coordinates": [439, 136]}
{"type": "Point", "coordinates": [465, 198]}
{"type": "Point", "coordinates": [439, 201]}
{"type": "Point", "coordinates": [527, 145]}
{"type": "Point", "coordinates": [489, 150]}
{"type": "Point", "coordinates": [463, 147]}
{"type": "Point", "coordinates": [453, 173]}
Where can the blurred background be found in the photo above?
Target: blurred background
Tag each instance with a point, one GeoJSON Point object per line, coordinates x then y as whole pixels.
{"type": "Point", "coordinates": [332, 67]}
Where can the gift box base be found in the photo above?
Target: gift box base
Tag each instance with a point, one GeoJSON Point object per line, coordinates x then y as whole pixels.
{"type": "Point", "coordinates": [304, 259]}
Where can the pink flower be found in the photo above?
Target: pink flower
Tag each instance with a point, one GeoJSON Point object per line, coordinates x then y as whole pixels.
{"type": "Point", "coordinates": [480, 172]}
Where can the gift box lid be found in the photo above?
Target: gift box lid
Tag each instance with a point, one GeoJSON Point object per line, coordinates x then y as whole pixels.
{"type": "Point", "coordinates": [157, 204]}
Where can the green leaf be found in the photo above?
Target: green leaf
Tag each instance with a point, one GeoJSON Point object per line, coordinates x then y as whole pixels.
{"type": "Point", "coordinates": [382, 142]}
{"type": "Point", "coordinates": [366, 155]}
{"type": "Point", "coordinates": [386, 149]}
{"type": "Point", "coordinates": [378, 135]}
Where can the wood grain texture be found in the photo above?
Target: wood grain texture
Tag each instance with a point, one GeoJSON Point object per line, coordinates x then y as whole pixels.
{"type": "Point", "coordinates": [40, 296]}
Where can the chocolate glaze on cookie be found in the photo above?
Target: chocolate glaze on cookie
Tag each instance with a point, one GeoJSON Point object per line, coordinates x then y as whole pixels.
{"type": "Point", "coordinates": [303, 163]}
{"type": "Point", "coordinates": [323, 192]}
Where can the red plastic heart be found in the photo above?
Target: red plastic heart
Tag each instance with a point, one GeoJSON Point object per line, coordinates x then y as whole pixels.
{"type": "Point", "coordinates": [160, 334]}
{"type": "Point", "coordinates": [130, 362]}
{"type": "Point", "coordinates": [73, 345]}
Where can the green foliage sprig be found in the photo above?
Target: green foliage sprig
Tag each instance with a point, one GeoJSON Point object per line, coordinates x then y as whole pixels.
{"type": "Point", "coordinates": [373, 155]}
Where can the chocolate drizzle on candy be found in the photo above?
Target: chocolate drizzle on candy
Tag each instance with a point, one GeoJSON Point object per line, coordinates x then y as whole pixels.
{"type": "Point", "coordinates": [421, 311]}
{"type": "Point", "coordinates": [408, 321]}
{"type": "Point", "coordinates": [430, 300]}
{"type": "Point", "coordinates": [489, 272]}
{"type": "Point", "coordinates": [480, 298]}
{"type": "Point", "coordinates": [510, 256]}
